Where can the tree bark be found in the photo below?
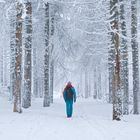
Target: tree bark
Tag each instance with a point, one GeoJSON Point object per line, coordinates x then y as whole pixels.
{"type": "Point", "coordinates": [95, 83]}
{"type": "Point", "coordinates": [117, 99]}
{"type": "Point", "coordinates": [51, 80]}
{"type": "Point", "coordinates": [46, 102]}
{"type": "Point", "coordinates": [17, 88]}
{"type": "Point", "coordinates": [111, 58]}
{"type": "Point", "coordinates": [26, 99]}
{"type": "Point", "coordinates": [12, 53]}
{"type": "Point", "coordinates": [135, 58]}
{"type": "Point", "coordinates": [124, 61]}
{"type": "Point", "coordinates": [52, 57]}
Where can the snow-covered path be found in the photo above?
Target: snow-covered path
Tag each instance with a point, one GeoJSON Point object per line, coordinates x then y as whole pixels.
{"type": "Point", "coordinates": [91, 121]}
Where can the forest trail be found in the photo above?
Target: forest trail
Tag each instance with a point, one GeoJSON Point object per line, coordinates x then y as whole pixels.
{"type": "Point", "coordinates": [91, 120]}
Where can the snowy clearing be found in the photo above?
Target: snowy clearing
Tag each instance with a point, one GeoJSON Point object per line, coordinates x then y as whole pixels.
{"type": "Point", "coordinates": [91, 121]}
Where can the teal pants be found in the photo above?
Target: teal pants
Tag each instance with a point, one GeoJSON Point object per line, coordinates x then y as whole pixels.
{"type": "Point", "coordinates": [69, 108]}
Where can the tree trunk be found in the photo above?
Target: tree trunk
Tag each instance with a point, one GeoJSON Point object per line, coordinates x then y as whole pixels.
{"type": "Point", "coordinates": [2, 58]}
{"type": "Point", "coordinates": [124, 62]}
{"type": "Point", "coordinates": [17, 88]}
{"type": "Point", "coordinates": [111, 58]}
{"type": "Point", "coordinates": [35, 76]}
{"type": "Point", "coordinates": [26, 100]}
{"type": "Point", "coordinates": [95, 83]}
{"type": "Point", "coordinates": [46, 102]}
{"type": "Point", "coordinates": [135, 55]}
{"type": "Point", "coordinates": [51, 80]}
{"type": "Point", "coordinates": [12, 53]}
{"type": "Point", "coordinates": [52, 58]}
{"type": "Point", "coordinates": [117, 99]}
{"type": "Point", "coordinates": [86, 83]}
{"type": "Point", "coordinates": [99, 82]}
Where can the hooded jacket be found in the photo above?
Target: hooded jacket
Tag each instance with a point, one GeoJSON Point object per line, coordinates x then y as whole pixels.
{"type": "Point", "coordinates": [73, 89]}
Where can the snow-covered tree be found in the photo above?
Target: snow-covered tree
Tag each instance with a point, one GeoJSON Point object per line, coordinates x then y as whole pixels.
{"type": "Point", "coordinates": [26, 98]}
{"type": "Point", "coordinates": [12, 48]}
{"type": "Point", "coordinates": [124, 57]}
{"type": "Point", "coordinates": [52, 59]}
{"type": "Point", "coordinates": [46, 101]}
{"type": "Point", "coordinates": [18, 59]}
{"type": "Point", "coordinates": [117, 97]}
{"type": "Point", "coordinates": [135, 57]}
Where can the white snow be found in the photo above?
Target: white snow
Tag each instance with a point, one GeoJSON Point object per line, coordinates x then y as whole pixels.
{"type": "Point", "coordinates": [91, 120]}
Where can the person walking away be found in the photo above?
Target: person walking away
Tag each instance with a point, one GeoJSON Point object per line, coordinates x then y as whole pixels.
{"type": "Point", "coordinates": [69, 95]}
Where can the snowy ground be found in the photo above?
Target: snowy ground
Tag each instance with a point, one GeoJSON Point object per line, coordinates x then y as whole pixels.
{"type": "Point", "coordinates": [91, 121]}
